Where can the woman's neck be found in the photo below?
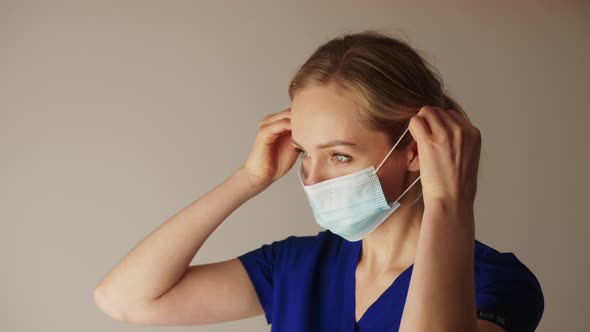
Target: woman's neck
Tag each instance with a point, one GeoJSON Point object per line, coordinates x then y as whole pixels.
{"type": "Point", "coordinates": [392, 245]}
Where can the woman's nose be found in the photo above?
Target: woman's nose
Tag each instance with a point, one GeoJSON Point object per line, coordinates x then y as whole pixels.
{"type": "Point", "coordinates": [313, 176]}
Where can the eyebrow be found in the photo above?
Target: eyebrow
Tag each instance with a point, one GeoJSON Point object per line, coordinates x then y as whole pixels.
{"type": "Point", "coordinates": [328, 144]}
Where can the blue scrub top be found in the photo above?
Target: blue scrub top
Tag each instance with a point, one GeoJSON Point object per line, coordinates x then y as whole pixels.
{"type": "Point", "coordinates": [307, 283]}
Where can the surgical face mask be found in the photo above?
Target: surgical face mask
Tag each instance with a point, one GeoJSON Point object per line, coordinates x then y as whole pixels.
{"type": "Point", "coordinates": [351, 205]}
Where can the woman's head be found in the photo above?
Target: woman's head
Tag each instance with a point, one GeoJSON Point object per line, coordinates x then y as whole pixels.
{"type": "Point", "coordinates": [363, 89]}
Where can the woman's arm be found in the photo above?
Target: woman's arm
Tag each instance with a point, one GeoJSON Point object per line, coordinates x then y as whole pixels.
{"type": "Point", "coordinates": [441, 294]}
{"type": "Point", "coordinates": [154, 283]}
{"type": "Point", "coordinates": [158, 262]}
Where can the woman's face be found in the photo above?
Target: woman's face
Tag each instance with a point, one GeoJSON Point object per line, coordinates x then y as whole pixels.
{"type": "Point", "coordinates": [326, 128]}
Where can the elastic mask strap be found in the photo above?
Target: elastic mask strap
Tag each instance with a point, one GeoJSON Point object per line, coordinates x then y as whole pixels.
{"type": "Point", "coordinates": [384, 159]}
{"type": "Point", "coordinates": [400, 196]}
{"type": "Point", "coordinates": [390, 151]}
{"type": "Point", "coordinates": [417, 198]}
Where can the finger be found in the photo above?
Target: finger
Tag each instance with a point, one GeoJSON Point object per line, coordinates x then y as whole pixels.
{"type": "Point", "coordinates": [449, 121]}
{"type": "Point", "coordinates": [419, 129]}
{"type": "Point", "coordinates": [271, 131]}
{"type": "Point", "coordinates": [460, 117]}
{"type": "Point", "coordinates": [286, 113]}
{"type": "Point", "coordinates": [432, 119]}
{"type": "Point", "coordinates": [465, 122]}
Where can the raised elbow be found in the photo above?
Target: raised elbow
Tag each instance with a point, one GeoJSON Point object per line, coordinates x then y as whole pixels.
{"type": "Point", "coordinates": [111, 308]}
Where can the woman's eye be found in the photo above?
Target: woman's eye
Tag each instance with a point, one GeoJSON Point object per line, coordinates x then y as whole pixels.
{"type": "Point", "coordinates": [340, 158]}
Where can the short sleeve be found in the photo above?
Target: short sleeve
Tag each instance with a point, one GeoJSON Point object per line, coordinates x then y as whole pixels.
{"type": "Point", "coordinates": [261, 265]}
{"type": "Point", "coordinates": [512, 299]}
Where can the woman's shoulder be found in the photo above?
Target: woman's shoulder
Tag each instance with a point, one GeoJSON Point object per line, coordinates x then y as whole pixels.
{"type": "Point", "coordinates": [304, 245]}
{"type": "Point", "coordinates": [507, 289]}
{"type": "Point", "coordinates": [493, 266]}
{"type": "Point", "coordinates": [293, 248]}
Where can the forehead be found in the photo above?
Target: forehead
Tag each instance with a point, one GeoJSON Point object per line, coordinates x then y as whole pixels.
{"type": "Point", "coordinates": [323, 113]}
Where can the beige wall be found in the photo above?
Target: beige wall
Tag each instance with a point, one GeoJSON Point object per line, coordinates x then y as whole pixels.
{"type": "Point", "coordinates": [116, 114]}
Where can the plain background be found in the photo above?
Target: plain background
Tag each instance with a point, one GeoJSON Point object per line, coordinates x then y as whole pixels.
{"type": "Point", "coordinates": [114, 115]}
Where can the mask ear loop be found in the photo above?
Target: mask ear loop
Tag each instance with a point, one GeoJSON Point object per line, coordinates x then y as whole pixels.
{"type": "Point", "coordinates": [416, 199]}
{"type": "Point", "coordinates": [390, 151]}
{"type": "Point", "coordinates": [384, 159]}
{"type": "Point", "coordinates": [400, 196]}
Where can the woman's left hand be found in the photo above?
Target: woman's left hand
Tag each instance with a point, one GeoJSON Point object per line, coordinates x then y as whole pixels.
{"type": "Point", "coordinates": [448, 151]}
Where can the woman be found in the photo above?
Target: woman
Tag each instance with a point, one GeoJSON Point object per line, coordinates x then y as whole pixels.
{"type": "Point", "coordinates": [389, 166]}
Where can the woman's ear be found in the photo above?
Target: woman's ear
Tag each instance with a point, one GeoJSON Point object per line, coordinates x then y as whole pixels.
{"type": "Point", "coordinates": [413, 159]}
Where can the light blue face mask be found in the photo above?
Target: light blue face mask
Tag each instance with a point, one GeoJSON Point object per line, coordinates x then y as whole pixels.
{"type": "Point", "coordinates": [351, 205]}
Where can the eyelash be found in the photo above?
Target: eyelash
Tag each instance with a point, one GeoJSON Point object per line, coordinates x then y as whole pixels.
{"type": "Point", "coordinates": [331, 155]}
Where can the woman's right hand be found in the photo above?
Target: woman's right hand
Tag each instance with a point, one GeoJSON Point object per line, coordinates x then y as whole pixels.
{"type": "Point", "coordinates": [272, 154]}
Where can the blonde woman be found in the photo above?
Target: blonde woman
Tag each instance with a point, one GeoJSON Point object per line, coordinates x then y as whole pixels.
{"type": "Point", "coordinates": [389, 165]}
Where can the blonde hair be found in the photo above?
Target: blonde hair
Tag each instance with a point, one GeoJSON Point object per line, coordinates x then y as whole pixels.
{"type": "Point", "coordinates": [388, 80]}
